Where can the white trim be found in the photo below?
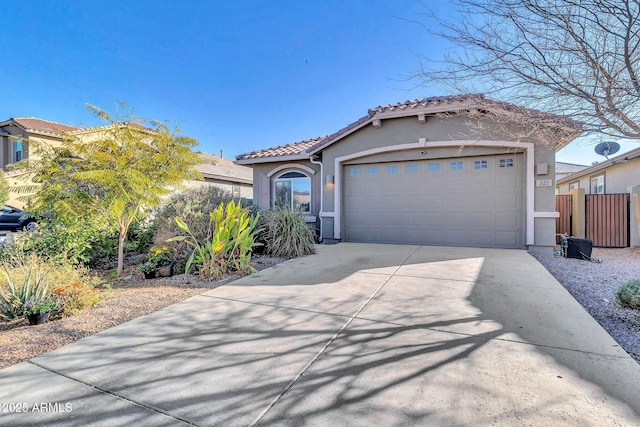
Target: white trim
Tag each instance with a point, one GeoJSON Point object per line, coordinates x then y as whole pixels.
{"type": "Point", "coordinates": [423, 143]}
{"type": "Point", "coordinates": [546, 214]}
{"type": "Point", "coordinates": [272, 159]}
{"type": "Point", "coordinates": [291, 166]}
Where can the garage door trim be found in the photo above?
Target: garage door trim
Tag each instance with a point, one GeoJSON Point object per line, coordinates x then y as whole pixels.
{"type": "Point", "coordinates": [423, 143]}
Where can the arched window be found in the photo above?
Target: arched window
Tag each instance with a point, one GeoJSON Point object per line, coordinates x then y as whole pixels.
{"type": "Point", "coordinates": [293, 190]}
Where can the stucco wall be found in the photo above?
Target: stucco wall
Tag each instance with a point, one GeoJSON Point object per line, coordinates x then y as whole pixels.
{"type": "Point", "coordinates": [263, 184]}
{"type": "Point", "coordinates": [619, 178]}
{"type": "Point", "coordinates": [408, 130]}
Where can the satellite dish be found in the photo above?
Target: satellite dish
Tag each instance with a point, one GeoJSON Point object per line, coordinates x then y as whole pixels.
{"type": "Point", "coordinates": [606, 148]}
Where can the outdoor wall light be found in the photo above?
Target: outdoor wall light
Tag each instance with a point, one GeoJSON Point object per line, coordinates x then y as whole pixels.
{"type": "Point", "coordinates": [329, 179]}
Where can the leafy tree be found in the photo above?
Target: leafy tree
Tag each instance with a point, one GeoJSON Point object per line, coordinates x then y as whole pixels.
{"type": "Point", "coordinates": [569, 57]}
{"type": "Point", "coordinates": [117, 171]}
{"type": "Point", "coordinates": [4, 190]}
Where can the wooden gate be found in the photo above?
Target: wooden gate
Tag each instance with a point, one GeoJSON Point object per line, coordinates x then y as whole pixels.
{"type": "Point", "coordinates": [563, 222]}
{"type": "Point", "coordinates": [607, 217]}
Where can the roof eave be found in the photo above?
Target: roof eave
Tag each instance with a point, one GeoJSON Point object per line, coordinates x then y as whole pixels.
{"type": "Point", "coordinates": [339, 135]}
{"type": "Point", "coordinates": [227, 178]}
{"type": "Point", "coordinates": [273, 159]}
{"type": "Point", "coordinates": [600, 166]}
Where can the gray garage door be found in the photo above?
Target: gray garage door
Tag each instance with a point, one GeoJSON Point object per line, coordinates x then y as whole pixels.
{"type": "Point", "coordinates": [470, 201]}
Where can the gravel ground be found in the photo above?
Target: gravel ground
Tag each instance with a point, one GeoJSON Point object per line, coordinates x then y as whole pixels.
{"type": "Point", "coordinates": [127, 300]}
{"type": "Point", "coordinates": [594, 285]}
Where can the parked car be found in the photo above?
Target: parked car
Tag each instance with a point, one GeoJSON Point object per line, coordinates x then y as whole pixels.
{"type": "Point", "coordinates": [14, 219]}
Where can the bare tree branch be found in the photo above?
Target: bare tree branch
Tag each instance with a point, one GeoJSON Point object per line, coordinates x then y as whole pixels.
{"type": "Point", "coordinates": [577, 58]}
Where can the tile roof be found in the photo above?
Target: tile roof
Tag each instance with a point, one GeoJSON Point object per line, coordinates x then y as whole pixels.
{"type": "Point", "coordinates": [33, 124]}
{"type": "Point", "coordinates": [453, 101]}
{"type": "Point", "coordinates": [282, 150]}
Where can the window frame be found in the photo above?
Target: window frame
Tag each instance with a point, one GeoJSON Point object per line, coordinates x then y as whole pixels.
{"type": "Point", "coordinates": [481, 164]}
{"type": "Point", "coordinates": [16, 143]}
{"type": "Point", "coordinates": [291, 180]}
{"type": "Point", "coordinates": [456, 166]}
{"type": "Point", "coordinates": [604, 184]}
{"type": "Point", "coordinates": [434, 167]}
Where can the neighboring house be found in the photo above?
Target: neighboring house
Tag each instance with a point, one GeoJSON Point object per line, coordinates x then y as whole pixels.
{"type": "Point", "coordinates": [439, 171]}
{"type": "Point", "coordinates": [616, 175]}
{"type": "Point", "coordinates": [16, 136]}
{"type": "Point", "coordinates": [18, 133]}
{"type": "Point", "coordinates": [566, 169]}
{"type": "Point", "coordinates": [601, 202]}
{"type": "Point", "coordinates": [224, 173]}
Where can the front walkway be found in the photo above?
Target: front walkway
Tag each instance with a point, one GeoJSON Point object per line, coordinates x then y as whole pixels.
{"type": "Point", "coordinates": [355, 335]}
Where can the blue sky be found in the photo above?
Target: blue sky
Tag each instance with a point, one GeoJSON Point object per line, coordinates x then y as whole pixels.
{"type": "Point", "coordinates": [236, 75]}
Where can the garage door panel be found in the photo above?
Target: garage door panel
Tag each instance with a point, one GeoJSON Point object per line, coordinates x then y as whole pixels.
{"type": "Point", "coordinates": [507, 219]}
{"type": "Point", "coordinates": [456, 201]}
{"type": "Point", "coordinates": [456, 182]}
{"type": "Point", "coordinates": [507, 239]}
{"type": "Point", "coordinates": [413, 204]}
{"type": "Point", "coordinates": [508, 201]}
{"type": "Point", "coordinates": [484, 201]}
{"type": "Point", "coordinates": [482, 220]}
{"type": "Point", "coordinates": [479, 238]}
{"type": "Point", "coordinates": [506, 182]}
{"type": "Point", "coordinates": [483, 181]}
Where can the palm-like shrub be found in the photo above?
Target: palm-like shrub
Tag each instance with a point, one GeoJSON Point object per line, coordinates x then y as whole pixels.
{"type": "Point", "coordinates": [285, 233]}
{"type": "Point", "coordinates": [229, 246]}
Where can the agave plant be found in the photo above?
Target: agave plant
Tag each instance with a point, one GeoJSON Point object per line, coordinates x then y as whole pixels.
{"type": "Point", "coordinates": [25, 281]}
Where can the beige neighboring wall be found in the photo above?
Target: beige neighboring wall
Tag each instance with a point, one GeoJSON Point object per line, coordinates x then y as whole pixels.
{"type": "Point", "coordinates": [621, 173]}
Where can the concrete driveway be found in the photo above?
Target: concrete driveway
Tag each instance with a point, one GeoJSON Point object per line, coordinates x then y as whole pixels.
{"type": "Point", "coordinates": [357, 334]}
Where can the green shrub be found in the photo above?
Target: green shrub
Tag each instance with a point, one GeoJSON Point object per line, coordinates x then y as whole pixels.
{"type": "Point", "coordinates": [76, 296]}
{"type": "Point", "coordinates": [628, 294]}
{"type": "Point", "coordinates": [71, 242]}
{"type": "Point", "coordinates": [229, 246]}
{"type": "Point", "coordinates": [285, 233]}
{"type": "Point", "coordinates": [24, 280]}
{"type": "Point", "coordinates": [193, 208]}
{"type": "Point", "coordinates": [29, 277]}
{"type": "Point", "coordinates": [140, 236]}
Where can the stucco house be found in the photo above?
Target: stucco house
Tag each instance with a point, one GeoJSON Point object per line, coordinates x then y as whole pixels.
{"type": "Point", "coordinates": [224, 173]}
{"type": "Point", "coordinates": [617, 175]}
{"type": "Point", "coordinates": [565, 169]}
{"type": "Point", "coordinates": [456, 170]}
{"type": "Point", "coordinates": [18, 133]}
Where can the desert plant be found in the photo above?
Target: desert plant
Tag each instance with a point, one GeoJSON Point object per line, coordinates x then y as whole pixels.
{"type": "Point", "coordinates": [628, 294]}
{"type": "Point", "coordinates": [285, 233]}
{"type": "Point", "coordinates": [229, 247]}
{"type": "Point", "coordinates": [193, 208]}
{"type": "Point", "coordinates": [25, 280]}
{"type": "Point", "coordinates": [40, 306]}
{"type": "Point", "coordinates": [76, 296]}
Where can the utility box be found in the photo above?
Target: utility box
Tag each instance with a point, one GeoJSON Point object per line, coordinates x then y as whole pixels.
{"type": "Point", "coordinates": [579, 248]}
